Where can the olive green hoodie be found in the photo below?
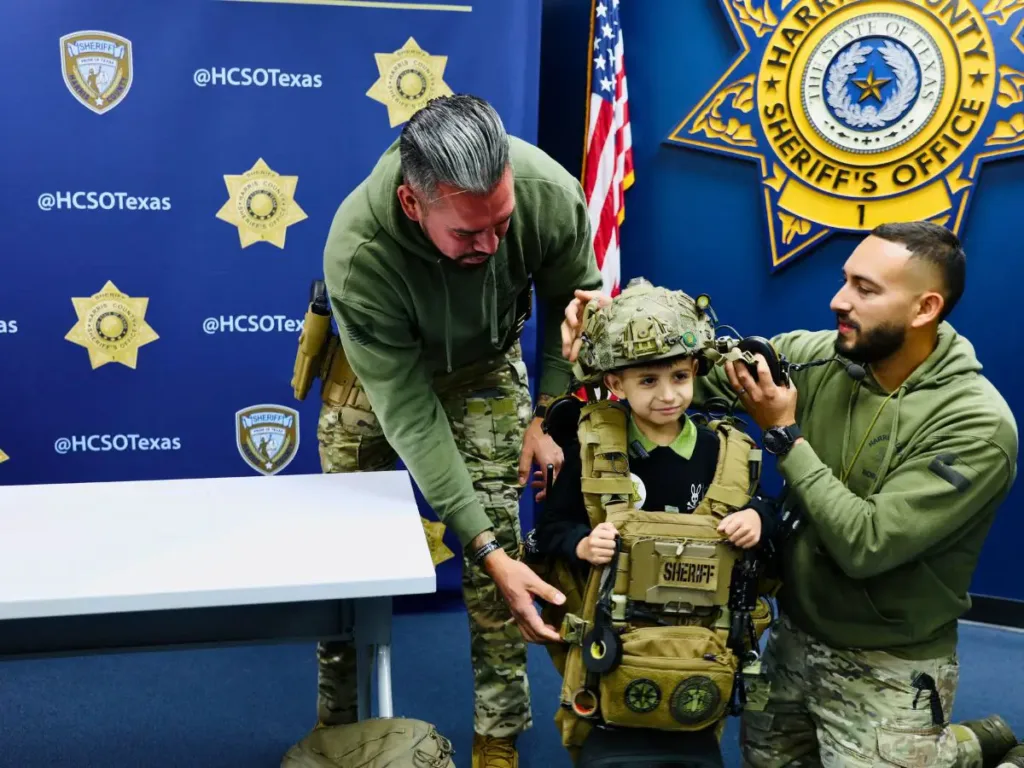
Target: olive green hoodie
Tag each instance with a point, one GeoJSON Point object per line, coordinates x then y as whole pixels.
{"type": "Point", "coordinates": [407, 313]}
{"type": "Point", "coordinates": [899, 490]}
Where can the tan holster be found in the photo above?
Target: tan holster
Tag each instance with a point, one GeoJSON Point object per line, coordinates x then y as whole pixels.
{"type": "Point", "coordinates": [321, 355]}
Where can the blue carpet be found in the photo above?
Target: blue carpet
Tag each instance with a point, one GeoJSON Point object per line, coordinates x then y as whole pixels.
{"type": "Point", "coordinates": [243, 707]}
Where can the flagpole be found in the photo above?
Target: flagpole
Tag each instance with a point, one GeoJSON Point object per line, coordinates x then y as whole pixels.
{"type": "Point", "coordinates": [590, 66]}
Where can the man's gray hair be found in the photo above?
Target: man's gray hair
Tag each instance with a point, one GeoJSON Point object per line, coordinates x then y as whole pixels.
{"type": "Point", "coordinates": [456, 140]}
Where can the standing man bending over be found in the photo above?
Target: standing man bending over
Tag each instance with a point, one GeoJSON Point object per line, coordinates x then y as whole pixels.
{"type": "Point", "coordinates": [428, 266]}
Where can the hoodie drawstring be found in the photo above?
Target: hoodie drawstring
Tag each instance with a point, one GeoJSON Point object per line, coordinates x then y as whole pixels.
{"type": "Point", "coordinates": [488, 308]}
{"type": "Point", "coordinates": [893, 441]}
{"type": "Point", "coordinates": [849, 425]}
{"type": "Point", "coordinates": [447, 320]}
{"type": "Point", "coordinates": [493, 301]}
{"type": "Point", "coordinates": [867, 433]}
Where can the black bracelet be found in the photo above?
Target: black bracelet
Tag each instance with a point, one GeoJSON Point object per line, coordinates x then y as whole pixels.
{"type": "Point", "coordinates": [484, 551]}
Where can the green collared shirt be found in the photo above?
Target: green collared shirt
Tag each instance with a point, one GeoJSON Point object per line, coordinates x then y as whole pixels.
{"type": "Point", "coordinates": [683, 445]}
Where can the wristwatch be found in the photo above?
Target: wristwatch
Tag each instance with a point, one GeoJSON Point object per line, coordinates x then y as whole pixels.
{"type": "Point", "coordinates": [778, 440]}
{"type": "Point", "coordinates": [540, 411]}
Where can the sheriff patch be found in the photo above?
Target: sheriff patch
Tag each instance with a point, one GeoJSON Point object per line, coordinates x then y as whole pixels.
{"type": "Point", "coordinates": [861, 113]}
{"type": "Point", "coordinates": [97, 68]}
{"type": "Point", "coordinates": [690, 572]}
{"type": "Point", "coordinates": [267, 436]}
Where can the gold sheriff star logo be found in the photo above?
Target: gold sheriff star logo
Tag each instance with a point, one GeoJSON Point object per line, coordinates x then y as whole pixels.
{"type": "Point", "coordinates": [112, 326]}
{"type": "Point", "coordinates": [434, 531]}
{"type": "Point", "coordinates": [3, 457]}
{"type": "Point", "coordinates": [409, 78]}
{"type": "Point", "coordinates": [261, 203]}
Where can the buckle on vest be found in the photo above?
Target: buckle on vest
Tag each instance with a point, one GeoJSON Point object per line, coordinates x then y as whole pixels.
{"type": "Point", "coordinates": [574, 629]}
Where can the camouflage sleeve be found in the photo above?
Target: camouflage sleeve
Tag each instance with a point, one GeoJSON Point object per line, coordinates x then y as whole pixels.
{"type": "Point", "coordinates": [569, 264]}
{"type": "Point", "coordinates": [386, 358]}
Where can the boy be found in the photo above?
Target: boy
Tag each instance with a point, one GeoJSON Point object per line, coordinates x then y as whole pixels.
{"type": "Point", "coordinates": [647, 348]}
{"type": "Point", "coordinates": [672, 459]}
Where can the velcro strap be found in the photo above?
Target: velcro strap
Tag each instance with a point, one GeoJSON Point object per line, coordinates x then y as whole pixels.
{"type": "Point", "coordinates": [730, 496]}
{"type": "Point", "coordinates": [573, 629]}
{"type": "Point", "coordinates": [623, 485]}
{"type": "Point", "coordinates": [755, 455]}
{"type": "Point", "coordinates": [606, 435]}
{"type": "Point", "coordinates": [605, 413]}
{"type": "Point", "coordinates": [611, 462]}
{"type": "Point", "coordinates": [616, 507]}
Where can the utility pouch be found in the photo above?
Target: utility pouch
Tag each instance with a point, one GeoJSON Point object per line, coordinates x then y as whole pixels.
{"type": "Point", "coordinates": [338, 377]}
{"type": "Point", "coordinates": [670, 678]}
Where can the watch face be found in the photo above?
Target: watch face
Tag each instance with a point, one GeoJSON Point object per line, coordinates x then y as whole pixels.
{"type": "Point", "coordinates": [773, 441]}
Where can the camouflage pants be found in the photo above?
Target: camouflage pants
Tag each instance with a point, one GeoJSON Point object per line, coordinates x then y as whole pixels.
{"type": "Point", "coordinates": [488, 408]}
{"type": "Point", "coordinates": [820, 706]}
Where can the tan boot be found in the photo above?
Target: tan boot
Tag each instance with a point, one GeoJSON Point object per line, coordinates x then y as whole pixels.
{"type": "Point", "coordinates": [494, 752]}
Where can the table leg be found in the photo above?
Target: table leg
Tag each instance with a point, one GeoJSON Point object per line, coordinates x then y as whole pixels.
{"type": "Point", "coordinates": [373, 636]}
{"type": "Point", "coordinates": [384, 703]}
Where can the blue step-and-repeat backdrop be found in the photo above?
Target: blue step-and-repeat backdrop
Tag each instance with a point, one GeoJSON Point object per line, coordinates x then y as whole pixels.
{"type": "Point", "coordinates": [171, 172]}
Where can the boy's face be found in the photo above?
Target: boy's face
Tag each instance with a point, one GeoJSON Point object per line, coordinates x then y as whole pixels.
{"type": "Point", "coordinates": [657, 394]}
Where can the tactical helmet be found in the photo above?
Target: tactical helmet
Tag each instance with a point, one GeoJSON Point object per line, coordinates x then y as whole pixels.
{"type": "Point", "coordinates": [643, 323]}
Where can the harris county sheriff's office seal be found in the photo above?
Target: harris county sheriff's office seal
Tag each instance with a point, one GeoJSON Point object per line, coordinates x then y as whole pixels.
{"type": "Point", "coordinates": [111, 326]}
{"type": "Point", "coordinates": [861, 112]}
{"type": "Point", "coordinates": [261, 204]}
{"type": "Point", "coordinates": [267, 436]}
{"type": "Point", "coordinates": [97, 68]}
{"type": "Point", "coordinates": [409, 78]}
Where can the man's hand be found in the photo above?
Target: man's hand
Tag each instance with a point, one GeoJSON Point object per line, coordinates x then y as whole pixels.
{"type": "Point", "coordinates": [767, 403]}
{"type": "Point", "coordinates": [572, 325]}
{"type": "Point", "coordinates": [743, 528]}
{"type": "Point", "coordinates": [519, 584]}
{"type": "Point", "coordinates": [540, 448]}
{"type": "Point", "coordinates": [599, 547]}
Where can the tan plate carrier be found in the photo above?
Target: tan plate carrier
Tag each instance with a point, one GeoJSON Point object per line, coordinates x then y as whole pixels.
{"type": "Point", "coordinates": [666, 594]}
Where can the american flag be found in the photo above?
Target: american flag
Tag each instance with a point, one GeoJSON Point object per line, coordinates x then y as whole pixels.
{"type": "Point", "coordinates": [608, 149]}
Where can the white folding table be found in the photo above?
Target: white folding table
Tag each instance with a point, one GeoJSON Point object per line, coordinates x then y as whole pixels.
{"type": "Point", "coordinates": [119, 566]}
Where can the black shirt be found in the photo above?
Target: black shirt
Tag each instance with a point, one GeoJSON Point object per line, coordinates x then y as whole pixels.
{"type": "Point", "coordinates": [671, 482]}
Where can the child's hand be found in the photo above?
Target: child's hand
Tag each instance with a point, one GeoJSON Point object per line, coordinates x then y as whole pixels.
{"type": "Point", "coordinates": [599, 546]}
{"type": "Point", "coordinates": [743, 528]}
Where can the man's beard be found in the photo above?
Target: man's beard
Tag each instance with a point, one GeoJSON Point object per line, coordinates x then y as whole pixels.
{"type": "Point", "coordinates": [462, 260]}
{"type": "Point", "coordinates": [879, 343]}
